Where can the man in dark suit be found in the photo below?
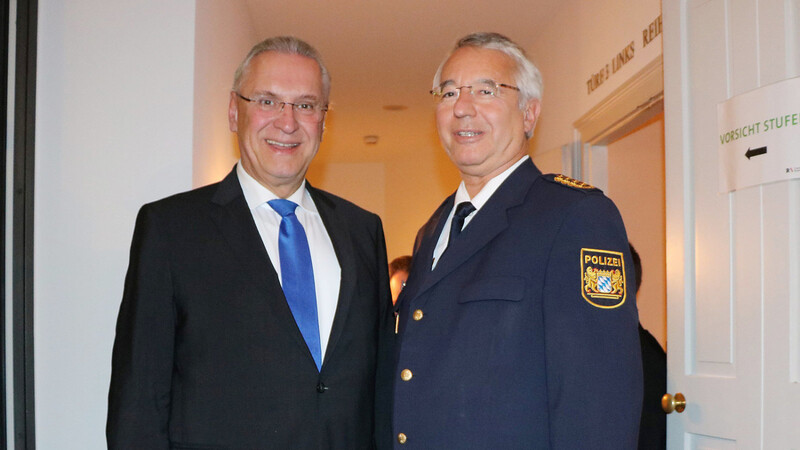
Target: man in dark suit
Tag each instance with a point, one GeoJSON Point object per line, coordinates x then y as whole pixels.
{"type": "Point", "coordinates": [518, 323]}
{"type": "Point", "coordinates": [254, 308]}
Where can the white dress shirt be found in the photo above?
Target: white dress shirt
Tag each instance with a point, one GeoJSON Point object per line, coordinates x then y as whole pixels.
{"type": "Point", "coordinates": [327, 272]}
{"type": "Point", "coordinates": [480, 199]}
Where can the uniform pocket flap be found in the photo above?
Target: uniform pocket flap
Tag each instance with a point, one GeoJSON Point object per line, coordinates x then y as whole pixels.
{"type": "Point", "coordinates": [493, 288]}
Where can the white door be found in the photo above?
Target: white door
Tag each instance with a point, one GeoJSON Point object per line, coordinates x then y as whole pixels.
{"type": "Point", "coordinates": [733, 260]}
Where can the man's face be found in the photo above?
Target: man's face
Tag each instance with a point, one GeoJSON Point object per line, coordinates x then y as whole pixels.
{"type": "Point", "coordinates": [277, 148]}
{"type": "Point", "coordinates": [396, 283]}
{"type": "Point", "coordinates": [483, 138]}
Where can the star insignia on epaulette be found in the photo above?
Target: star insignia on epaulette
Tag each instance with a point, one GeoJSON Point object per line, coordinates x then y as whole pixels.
{"type": "Point", "coordinates": [571, 182]}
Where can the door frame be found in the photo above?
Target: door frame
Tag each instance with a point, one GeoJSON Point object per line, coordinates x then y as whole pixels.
{"type": "Point", "coordinates": [20, 274]}
{"type": "Point", "coordinates": [637, 100]}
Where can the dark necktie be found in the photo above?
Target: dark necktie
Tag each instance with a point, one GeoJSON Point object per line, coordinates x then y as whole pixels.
{"type": "Point", "coordinates": [463, 210]}
{"type": "Point", "coordinates": [297, 275]}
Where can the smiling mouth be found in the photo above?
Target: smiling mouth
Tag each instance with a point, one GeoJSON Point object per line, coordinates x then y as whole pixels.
{"type": "Point", "coordinates": [281, 144]}
{"type": "Point", "coordinates": [468, 133]}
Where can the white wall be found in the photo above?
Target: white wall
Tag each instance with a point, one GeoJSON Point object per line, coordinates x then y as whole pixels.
{"type": "Point", "coordinates": [113, 131]}
{"type": "Point", "coordinates": [224, 33]}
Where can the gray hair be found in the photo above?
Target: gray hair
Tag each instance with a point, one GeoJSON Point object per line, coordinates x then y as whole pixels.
{"type": "Point", "coordinates": [528, 78]}
{"type": "Point", "coordinates": [289, 45]}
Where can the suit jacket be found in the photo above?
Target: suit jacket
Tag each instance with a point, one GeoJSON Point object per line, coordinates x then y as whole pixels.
{"type": "Point", "coordinates": [653, 427]}
{"type": "Point", "coordinates": [207, 353]}
{"type": "Point", "coordinates": [507, 343]}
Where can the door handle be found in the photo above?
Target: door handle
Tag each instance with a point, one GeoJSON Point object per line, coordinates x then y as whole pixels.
{"type": "Point", "coordinates": [670, 403]}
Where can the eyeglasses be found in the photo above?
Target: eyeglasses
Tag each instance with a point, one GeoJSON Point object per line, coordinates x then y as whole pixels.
{"type": "Point", "coordinates": [306, 111]}
{"type": "Point", "coordinates": [482, 91]}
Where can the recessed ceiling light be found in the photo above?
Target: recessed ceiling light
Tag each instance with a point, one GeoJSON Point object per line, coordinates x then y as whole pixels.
{"type": "Point", "coordinates": [395, 107]}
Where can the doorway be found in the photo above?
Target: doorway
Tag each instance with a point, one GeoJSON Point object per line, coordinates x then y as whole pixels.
{"type": "Point", "coordinates": [636, 185]}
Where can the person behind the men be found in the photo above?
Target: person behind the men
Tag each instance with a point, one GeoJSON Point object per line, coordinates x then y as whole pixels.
{"type": "Point", "coordinates": [653, 425]}
{"type": "Point", "coordinates": [517, 325]}
{"type": "Point", "coordinates": [253, 308]}
{"type": "Point", "coordinates": [398, 274]}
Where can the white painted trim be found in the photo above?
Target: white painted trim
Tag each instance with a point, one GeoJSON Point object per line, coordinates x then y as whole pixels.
{"type": "Point", "coordinates": [595, 163]}
{"type": "Point", "coordinates": [627, 103]}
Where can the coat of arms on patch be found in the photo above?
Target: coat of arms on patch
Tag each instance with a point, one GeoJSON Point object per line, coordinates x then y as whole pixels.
{"type": "Point", "coordinates": [603, 273]}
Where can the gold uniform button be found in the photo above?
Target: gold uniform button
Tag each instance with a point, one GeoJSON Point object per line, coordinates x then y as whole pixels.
{"type": "Point", "coordinates": [418, 314]}
{"type": "Point", "coordinates": [401, 438]}
{"type": "Point", "coordinates": [406, 375]}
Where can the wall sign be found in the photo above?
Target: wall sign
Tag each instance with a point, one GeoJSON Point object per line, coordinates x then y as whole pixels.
{"type": "Point", "coordinates": [759, 136]}
{"type": "Point", "coordinates": [626, 54]}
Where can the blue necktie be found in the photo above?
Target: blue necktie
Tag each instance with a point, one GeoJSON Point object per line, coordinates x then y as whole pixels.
{"type": "Point", "coordinates": [297, 275]}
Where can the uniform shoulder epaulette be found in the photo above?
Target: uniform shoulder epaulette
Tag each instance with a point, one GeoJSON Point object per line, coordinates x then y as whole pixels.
{"type": "Point", "coordinates": [569, 182]}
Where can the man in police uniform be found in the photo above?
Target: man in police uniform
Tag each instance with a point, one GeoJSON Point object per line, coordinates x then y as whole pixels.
{"type": "Point", "coordinates": [518, 323]}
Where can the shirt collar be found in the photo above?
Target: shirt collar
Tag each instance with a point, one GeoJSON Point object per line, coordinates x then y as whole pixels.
{"type": "Point", "coordinates": [491, 186]}
{"type": "Point", "coordinates": [256, 194]}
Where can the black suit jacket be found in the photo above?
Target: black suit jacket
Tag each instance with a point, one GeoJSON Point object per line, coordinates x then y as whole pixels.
{"type": "Point", "coordinates": [653, 428]}
{"type": "Point", "coordinates": [207, 353]}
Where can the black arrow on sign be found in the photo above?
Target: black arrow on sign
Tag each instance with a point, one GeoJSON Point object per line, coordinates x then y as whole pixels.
{"type": "Point", "coordinates": [755, 152]}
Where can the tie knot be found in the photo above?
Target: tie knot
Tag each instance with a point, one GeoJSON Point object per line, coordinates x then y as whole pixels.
{"type": "Point", "coordinates": [464, 209]}
{"type": "Point", "coordinates": [282, 206]}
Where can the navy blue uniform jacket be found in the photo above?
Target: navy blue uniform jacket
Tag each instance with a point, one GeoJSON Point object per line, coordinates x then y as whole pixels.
{"type": "Point", "coordinates": [522, 336]}
{"type": "Point", "coordinates": [207, 353]}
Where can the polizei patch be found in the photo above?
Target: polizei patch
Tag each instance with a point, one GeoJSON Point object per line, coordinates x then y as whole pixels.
{"type": "Point", "coordinates": [604, 283]}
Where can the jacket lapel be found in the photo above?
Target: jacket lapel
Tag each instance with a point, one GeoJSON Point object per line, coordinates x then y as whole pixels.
{"type": "Point", "coordinates": [420, 269]}
{"type": "Point", "coordinates": [343, 247]}
{"type": "Point", "coordinates": [235, 222]}
{"type": "Point", "coordinates": [490, 221]}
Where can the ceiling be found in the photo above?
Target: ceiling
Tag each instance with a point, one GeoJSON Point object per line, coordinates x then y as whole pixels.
{"type": "Point", "coordinates": [386, 52]}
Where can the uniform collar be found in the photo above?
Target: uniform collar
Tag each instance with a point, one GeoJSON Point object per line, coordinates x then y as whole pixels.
{"type": "Point", "coordinates": [491, 186]}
